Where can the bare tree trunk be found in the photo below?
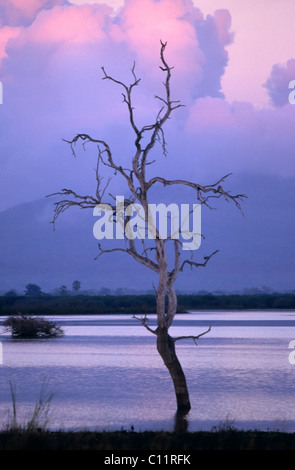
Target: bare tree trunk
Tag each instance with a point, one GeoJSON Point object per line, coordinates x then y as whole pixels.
{"type": "Point", "coordinates": [165, 343]}
{"type": "Point", "coordinates": [166, 349]}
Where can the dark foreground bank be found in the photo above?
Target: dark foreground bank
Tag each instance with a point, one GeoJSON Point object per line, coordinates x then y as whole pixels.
{"type": "Point", "coordinates": [147, 441]}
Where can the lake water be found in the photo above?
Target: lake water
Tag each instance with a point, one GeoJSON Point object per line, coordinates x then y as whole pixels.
{"type": "Point", "coordinates": [105, 372]}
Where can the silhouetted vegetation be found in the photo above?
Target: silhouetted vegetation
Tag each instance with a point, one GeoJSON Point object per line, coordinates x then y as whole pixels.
{"type": "Point", "coordinates": [11, 293]}
{"type": "Point", "coordinates": [108, 304]}
{"type": "Point", "coordinates": [33, 290]}
{"type": "Point", "coordinates": [153, 441]}
{"type": "Point", "coordinates": [237, 302]}
{"type": "Point", "coordinates": [63, 290]}
{"type": "Point", "coordinates": [77, 305]}
{"type": "Point", "coordinates": [38, 419]}
{"type": "Point", "coordinates": [22, 326]}
{"type": "Point", "coordinates": [76, 286]}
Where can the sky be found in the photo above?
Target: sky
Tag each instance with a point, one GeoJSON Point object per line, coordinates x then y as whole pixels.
{"type": "Point", "coordinates": [239, 82]}
{"type": "Point", "coordinates": [233, 61]}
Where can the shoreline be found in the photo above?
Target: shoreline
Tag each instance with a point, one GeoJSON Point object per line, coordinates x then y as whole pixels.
{"type": "Point", "coordinates": [140, 304]}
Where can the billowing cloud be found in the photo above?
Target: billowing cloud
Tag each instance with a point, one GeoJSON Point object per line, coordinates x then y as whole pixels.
{"type": "Point", "coordinates": [169, 20]}
{"type": "Point", "coordinates": [278, 82]}
{"type": "Point", "coordinates": [7, 33]}
{"type": "Point", "coordinates": [240, 138]}
{"type": "Point", "coordinates": [69, 25]}
{"type": "Point", "coordinates": [19, 12]}
{"type": "Point", "coordinates": [214, 34]}
{"type": "Point", "coordinates": [196, 44]}
{"type": "Point", "coordinates": [51, 54]}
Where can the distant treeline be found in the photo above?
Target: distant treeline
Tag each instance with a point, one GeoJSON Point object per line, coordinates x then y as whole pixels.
{"type": "Point", "coordinates": [237, 302]}
{"type": "Point", "coordinates": [108, 304]}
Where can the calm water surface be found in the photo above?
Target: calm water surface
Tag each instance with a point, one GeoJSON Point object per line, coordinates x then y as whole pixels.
{"type": "Point", "coordinates": [105, 373]}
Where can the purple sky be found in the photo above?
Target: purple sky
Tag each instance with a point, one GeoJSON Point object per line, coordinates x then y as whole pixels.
{"type": "Point", "coordinates": [232, 70]}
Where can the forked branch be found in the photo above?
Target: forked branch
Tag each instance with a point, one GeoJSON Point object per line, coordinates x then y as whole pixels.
{"type": "Point", "coordinates": [84, 202]}
{"type": "Point", "coordinates": [197, 265]}
{"type": "Point", "coordinates": [143, 321]}
{"type": "Point", "coordinates": [205, 192]}
{"type": "Point", "coordinates": [132, 252]}
{"type": "Point", "coordinates": [127, 98]}
{"type": "Point", "coordinates": [156, 128]}
{"type": "Point", "coordinates": [85, 138]}
{"type": "Point", "coordinates": [178, 338]}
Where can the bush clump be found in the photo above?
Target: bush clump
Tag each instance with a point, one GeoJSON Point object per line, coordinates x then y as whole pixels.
{"type": "Point", "coordinates": [23, 326]}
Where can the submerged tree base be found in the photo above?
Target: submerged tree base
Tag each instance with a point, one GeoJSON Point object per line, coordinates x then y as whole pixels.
{"type": "Point", "coordinates": [166, 349]}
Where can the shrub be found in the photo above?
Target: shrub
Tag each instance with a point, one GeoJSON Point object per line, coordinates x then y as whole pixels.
{"type": "Point", "coordinates": [23, 326]}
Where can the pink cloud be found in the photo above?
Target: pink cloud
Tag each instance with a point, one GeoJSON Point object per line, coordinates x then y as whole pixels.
{"type": "Point", "coordinates": [208, 113]}
{"type": "Point", "coordinates": [195, 44]}
{"type": "Point", "coordinates": [222, 21]}
{"type": "Point", "coordinates": [7, 33]}
{"type": "Point", "coordinates": [147, 22]}
{"type": "Point", "coordinates": [19, 12]}
{"type": "Point", "coordinates": [69, 25]}
{"type": "Point", "coordinates": [55, 88]}
{"type": "Point", "coordinates": [139, 26]}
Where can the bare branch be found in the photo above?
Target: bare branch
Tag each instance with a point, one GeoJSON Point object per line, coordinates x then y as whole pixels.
{"type": "Point", "coordinates": [161, 99]}
{"type": "Point", "coordinates": [85, 138]}
{"type": "Point", "coordinates": [132, 252]}
{"type": "Point", "coordinates": [161, 137]}
{"type": "Point", "coordinates": [160, 121]}
{"type": "Point", "coordinates": [84, 202]}
{"type": "Point", "coordinates": [195, 264]}
{"type": "Point", "coordinates": [100, 193]}
{"type": "Point", "coordinates": [127, 97]}
{"type": "Point", "coordinates": [143, 321]}
{"type": "Point", "coordinates": [216, 189]}
{"type": "Point", "coordinates": [192, 337]}
{"type": "Point", "coordinates": [156, 128]}
{"type": "Point", "coordinates": [146, 249]}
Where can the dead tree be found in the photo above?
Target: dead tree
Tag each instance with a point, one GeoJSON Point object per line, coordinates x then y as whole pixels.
{"type": "Point", "coordinates": [153, 257]}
